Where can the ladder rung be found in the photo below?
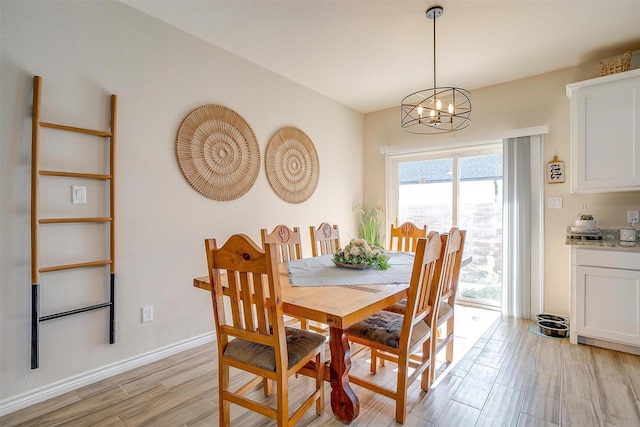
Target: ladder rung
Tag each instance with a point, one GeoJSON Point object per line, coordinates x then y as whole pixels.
{"type": "Point", "coordinates": [72, 266]}
{"type": "Point", "coordinates": [75, 129]}
{"type": "Point", "coordinates": [75, 174]}
{"type": "Point", "coordinates": [67, 220]}
{"type": "Point", "coordinates": [76, 311]}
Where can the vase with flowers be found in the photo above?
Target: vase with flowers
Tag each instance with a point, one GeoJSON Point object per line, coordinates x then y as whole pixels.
{"type": "Point", "coordinates": [359, 254]}
{"type": "Point", "coordinates": [370, 227]}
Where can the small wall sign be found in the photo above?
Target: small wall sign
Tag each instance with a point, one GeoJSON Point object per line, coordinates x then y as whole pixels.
{"type": "Point", "coordinates": [555, 171]}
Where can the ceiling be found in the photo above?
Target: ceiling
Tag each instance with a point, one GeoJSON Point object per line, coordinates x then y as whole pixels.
{"type": "Point", "coordinates": [369, 54]}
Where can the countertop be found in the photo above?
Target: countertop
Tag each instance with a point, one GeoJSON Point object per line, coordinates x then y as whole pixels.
{"type": "Point", "coordinates": [610, 239]}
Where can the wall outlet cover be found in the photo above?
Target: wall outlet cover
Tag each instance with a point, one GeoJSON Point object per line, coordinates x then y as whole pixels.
{"type": "Point", "coordinates": [147, 313]}
{"type": "Point", "coordinates": [78, 194]}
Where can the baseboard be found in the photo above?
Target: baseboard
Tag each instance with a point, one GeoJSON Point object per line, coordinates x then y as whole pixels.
{"type": "Point", "coordinates": [41, 394]}
{"type": "Point", "coordinates": [611, 345]}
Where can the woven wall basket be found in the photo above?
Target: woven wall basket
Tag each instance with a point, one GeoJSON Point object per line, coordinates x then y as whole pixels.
{"type": "Point", "coordinates": [292, 165]}
{"type": "Point", "coordinates": [218, 152]}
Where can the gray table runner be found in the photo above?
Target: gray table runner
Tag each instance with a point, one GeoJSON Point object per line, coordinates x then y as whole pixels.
{"type": "Point", "coordinates": [321, 271]}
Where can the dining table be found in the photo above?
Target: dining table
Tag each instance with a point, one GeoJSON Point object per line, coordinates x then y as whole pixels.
{"type": "Point", "coordinates": [315, 298]}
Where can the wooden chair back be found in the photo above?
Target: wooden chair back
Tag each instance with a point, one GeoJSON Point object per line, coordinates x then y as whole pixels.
{"type": "Point", "coordinates": [423, 294]}
{"type": "Point", "coordinates": [405, 237]}
{"type": "Point", "coordinates": [325, 239]}
{"type": "Point", "coordinates": [252, 277]}
{"type": "Point", "coordinates": [451, 264]}
{"type": "Point", "coordinates": [288, 242]}
{"type": "Point", "coordinates": [288, 247]}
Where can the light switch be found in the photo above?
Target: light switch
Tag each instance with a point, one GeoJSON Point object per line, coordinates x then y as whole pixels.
{"type": "Point", "coordinates": [555, 202]}
{"type": "Point", "coordinates": [78, 195]}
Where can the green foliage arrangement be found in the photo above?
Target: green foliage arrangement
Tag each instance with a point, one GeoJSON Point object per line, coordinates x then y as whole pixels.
{"type": "Point", "coordinates": [369, 218]}
{"type": "Point", "coordinates": [586, 217]}
{"type": "Point", "coordinates": [360, 254]}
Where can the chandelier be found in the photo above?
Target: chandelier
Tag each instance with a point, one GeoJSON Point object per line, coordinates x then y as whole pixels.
{"type": "Point", "coordinates": [439, 109]}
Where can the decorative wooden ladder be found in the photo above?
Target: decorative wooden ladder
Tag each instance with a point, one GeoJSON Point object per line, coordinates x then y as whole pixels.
{"type": "Point", "coordinates": [36, 221]}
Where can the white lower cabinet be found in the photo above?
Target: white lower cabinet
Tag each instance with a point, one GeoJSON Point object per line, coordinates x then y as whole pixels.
{"type": "Point", "coordinates": [605, 296]}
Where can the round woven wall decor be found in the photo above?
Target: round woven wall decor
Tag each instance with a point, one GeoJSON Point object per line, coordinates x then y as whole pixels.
{"type": "Point", "coordinates": [218, 152]}
{"type": "Point", "coordinates": [292, 165]}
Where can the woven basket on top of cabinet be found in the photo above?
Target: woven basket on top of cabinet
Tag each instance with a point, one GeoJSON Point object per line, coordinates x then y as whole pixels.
{"type": "Point", "coordinates": [616, 65]}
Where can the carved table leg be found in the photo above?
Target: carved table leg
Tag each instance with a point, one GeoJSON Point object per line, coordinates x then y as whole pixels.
{"type": "Point", "coordinates": [344, 402]}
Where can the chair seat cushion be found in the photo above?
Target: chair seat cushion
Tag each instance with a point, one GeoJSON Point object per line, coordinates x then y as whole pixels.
{"type": "Point", "coordinates": [385, 327]}
{"type": "Point", "coordinates": [398, 307]}
{"type": "Point", "coordinates": [444, 312]}
{"type": "Point", "coordinates": [299, 345]}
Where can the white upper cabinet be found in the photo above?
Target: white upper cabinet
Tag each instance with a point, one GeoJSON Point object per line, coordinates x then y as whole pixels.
{"type": "Point", "coordinates": [605, 133]}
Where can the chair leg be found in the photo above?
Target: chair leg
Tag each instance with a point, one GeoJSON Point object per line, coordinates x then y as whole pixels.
{"type": "Point", "coordinates": [432, 365]}
{"type": "Point", "coordinates": [303, 324]}
{"type": "Point", "coordinates": [268, 386]}
{"type": "Point", "coordinates": [450, 343]}
{"type": "Point", "coordinates": [374, 361]}
{"type": "Point", "coordinates": [223, 385]}
{"type": "Point", "coordinates": [425, 378]}
{"type": "Point", "coordinates": [401, 390]}
{"type": "Point", "coordinates": [320, 382]}
{"type": "Point", "coordinates": [282, 415]}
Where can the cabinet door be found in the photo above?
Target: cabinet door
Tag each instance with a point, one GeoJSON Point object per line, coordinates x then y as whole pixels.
{"type": "Point", "coordinates": [606, 137]}
{"type": "Point", "coordinates": [608, 304]}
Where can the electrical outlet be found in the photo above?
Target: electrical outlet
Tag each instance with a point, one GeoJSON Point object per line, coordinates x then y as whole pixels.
{"type": "Point", "coordinates": [632, 217]}
{"type": "Point", "coordinates": [147, 313]}
{"type": "Point", "coordinates": [78, 194]}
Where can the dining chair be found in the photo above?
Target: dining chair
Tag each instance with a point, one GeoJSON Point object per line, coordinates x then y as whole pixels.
{"type": "Point", "coordinates": [405, 237]}
{"type": "Point", "coordinates": [289, 247]}
{"type": "Point", "coordinates": [396, 337]}
{"type": "Point", "coordinates": [451, 264]}
{"type": "Point", "coordinates": [253, 337]}
{"type": "Point", "coordinates": [453, 248]}
{"type": "Point", "coordinates": [325, 239]}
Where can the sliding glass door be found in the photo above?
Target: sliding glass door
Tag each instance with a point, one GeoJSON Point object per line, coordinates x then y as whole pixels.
{"type": "Point", "coordinates": [461, 188]}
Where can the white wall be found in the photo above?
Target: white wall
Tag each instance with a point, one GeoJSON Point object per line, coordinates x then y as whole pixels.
{"type": "Point", "coordinates": [86, 50]}
{"type": "Point", "coordinates": [539, 100]}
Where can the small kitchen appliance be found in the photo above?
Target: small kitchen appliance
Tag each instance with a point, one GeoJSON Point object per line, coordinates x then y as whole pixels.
{"type": "Point", "coordinates": [629, 234]}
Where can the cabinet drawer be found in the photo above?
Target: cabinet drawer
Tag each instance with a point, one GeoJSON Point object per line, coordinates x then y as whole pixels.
{"type": "Point", "coordinates": [607, 258]}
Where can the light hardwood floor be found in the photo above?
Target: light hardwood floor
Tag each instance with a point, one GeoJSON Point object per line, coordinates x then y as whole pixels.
{"type": "Point", "coordinates": [508, 377]}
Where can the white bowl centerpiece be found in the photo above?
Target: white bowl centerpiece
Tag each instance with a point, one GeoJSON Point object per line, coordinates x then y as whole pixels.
{"type": "Point", "coordinates": [359, 254]}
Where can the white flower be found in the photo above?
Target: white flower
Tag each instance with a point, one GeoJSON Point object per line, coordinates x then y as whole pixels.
{"type": "Point", "coordinates": [355, 251]}
{"type": "Point", "coordinates": [367, 251]}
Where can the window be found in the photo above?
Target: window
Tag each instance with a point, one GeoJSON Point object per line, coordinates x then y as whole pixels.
{"type": "Point", "coordinates": [457, 188]}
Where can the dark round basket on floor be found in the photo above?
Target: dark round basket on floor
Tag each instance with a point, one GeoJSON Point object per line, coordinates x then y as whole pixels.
{"type": "Point", "coordinates": [553, 329]}
{"type": "Point", "coordinates": [552, 318]}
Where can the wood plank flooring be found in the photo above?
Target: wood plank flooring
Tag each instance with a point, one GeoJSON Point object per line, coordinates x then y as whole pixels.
{"type": "Point", "coordinates": [508, 377]}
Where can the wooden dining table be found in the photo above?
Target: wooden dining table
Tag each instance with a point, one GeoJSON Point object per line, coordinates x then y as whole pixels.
{"type": "Point", "coordinates": [339, 307]}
